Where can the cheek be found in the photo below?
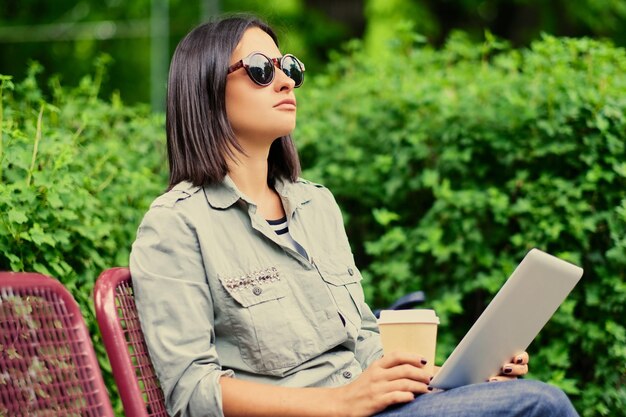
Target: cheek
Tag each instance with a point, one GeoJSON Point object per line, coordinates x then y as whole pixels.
{"type": "Point", "coordinates": [240, 108]}
{"type": "Point", "coordinates": [234, 108]}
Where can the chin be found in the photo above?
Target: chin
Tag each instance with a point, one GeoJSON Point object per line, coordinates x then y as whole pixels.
{"type": "Point", "coordinates": [285, 130]}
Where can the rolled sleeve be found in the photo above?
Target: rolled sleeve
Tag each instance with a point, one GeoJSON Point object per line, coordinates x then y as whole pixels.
{"type": "Point", "coordinates": [176, 313]}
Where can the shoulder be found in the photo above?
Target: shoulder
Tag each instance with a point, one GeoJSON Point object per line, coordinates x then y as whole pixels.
{"type": "Point", "coordinates": [312, 188]}
{"type": "Point", "coordinates": [306, 183]}
{"type": "Point", "coordinates": [321, 197]}
{"type": "Point", "coordinates": [173, 210]}
{"type": "Point", "coordinates": [314, 191]}
{"type": "Point", "coordinates": [179, 193]}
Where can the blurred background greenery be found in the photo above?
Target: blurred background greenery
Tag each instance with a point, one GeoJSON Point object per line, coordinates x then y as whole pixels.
{"type": "Point", "coordinates": [455, 135]}
{"type": "Point", "coordinates": [66, 36]}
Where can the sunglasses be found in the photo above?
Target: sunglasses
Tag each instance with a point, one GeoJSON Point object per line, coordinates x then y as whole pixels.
{"type": "Point", "coordinates": [260, 68]}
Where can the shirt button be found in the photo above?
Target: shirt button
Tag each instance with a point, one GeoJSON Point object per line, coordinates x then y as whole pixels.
{"type": "Point", "coordinates": [350, 271]}
{"type": "Point", "coordinates": [257, 291]}
{"type": "Point", "coordinates": [347, 374]}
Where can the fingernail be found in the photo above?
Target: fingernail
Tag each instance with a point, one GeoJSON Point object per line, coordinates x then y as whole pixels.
{"type": "Point", "coordinates": [519, 361]}
{"type": "Point", "coordinates": [430, 388]}
{"type": "Point", "coordinates": [492, 380]}
{"type": "Point", "coordinates": [508, 370]}
{"type": "Point", "coordinates": [431, 378]}
{"type": "Point", "coordinates": [424, 361]}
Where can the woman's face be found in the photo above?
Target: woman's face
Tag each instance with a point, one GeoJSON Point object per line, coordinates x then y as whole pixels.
{"type": "Point", "coordinates": [258, 115]}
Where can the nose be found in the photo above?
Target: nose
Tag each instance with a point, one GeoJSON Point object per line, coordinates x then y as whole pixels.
{"type": "Point", "coordinates": [282, 81]}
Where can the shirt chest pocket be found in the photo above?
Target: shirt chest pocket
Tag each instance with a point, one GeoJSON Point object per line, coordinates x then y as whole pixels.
{"type": "Point", "coordinates": [259, 286]}
{"type": "Point", "coordinates": [344, 283]}
{"type": "Point", "coordinates": [272, 334]}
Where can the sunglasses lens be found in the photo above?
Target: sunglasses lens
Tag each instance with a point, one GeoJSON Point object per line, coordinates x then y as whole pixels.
{"type": "Point", "coordinates": [293, 69]}
{"type": "Point", "coordinates": [261, 69]}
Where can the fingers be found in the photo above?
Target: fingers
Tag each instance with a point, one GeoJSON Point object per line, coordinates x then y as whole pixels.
{"type": "Point", "coordinates": [517, 367]}
{"type": "Point", "coordinates": [514, 370]}
{"type": "Point", "coordinates": [521, 359]}
{"type": "Point", "coordinates": [398, 397]}
{"type": "Point", "coordinates": [407, 372]}
{"type": "Point", "coordinates": [407, 385]}
{"type": "Point", "coordinates": [401, 372]}
{"type": "Point", "coordinates": [400, 358]}
{"type": "Point", "coordinates": [398, 365]}
{"type": "Point", "coordinates": [510, 372]}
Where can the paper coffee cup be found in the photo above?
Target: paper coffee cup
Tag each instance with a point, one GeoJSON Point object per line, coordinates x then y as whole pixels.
{"type": "Point", "coordinates": [413, 331]}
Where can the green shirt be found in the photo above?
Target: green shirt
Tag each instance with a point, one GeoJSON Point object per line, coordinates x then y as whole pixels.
{"type": "Point", "coordinates": [219, 293]}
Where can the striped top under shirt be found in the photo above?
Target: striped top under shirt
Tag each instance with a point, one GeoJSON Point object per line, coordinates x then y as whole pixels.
{"type": "Point", "coordinates": [281, 228]}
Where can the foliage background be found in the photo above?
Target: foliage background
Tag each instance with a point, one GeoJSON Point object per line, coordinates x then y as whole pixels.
{"type": "Point", "coordinates": [449, 163]}
{"type": "Point", "coordinates": [67, 36]}
{"type": "Point", "coordinates": [76, 175]}
{"type": "Point", "coordinates": [455, 163]}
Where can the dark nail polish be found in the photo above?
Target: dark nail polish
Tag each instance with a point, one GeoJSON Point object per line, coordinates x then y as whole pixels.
{"type": "Point", "coordinates": [430, 388]}
{"type": "Point", "coordinates": [424, 361]}
{"type": "Point", "coordinates": [431, 378]}
{"type": "Point", "coordinates": [508, 370]}
{"type": "Point", "coordinates": [519, 361]}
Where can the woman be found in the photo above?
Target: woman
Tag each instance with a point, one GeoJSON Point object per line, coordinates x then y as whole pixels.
{"type": "Point", "coordinates": [246, 287]}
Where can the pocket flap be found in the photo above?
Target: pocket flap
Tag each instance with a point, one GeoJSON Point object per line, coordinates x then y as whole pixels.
{"type": "Point", "coordinates": [339, 273]}
{"type": "Point", "coordinates": [254, 287]}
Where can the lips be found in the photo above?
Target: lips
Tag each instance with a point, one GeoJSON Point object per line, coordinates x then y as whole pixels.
{"type": "Point", "coordinates": [288, 102]}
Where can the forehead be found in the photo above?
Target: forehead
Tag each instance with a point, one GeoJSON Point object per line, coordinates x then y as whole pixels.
{"type": "Point", "coordinates": [255, 40]}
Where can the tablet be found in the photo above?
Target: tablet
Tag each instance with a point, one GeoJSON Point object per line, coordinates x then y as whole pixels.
{"type": "Point", "coordinates": [517, 313]}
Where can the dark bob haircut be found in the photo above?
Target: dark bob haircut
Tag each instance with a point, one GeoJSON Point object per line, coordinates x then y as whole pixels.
{"type": "Point", "coordinates": [199, 135]}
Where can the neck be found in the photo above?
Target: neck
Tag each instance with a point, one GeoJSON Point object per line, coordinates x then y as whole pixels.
{"type": "Point", "coordinates": [249, 173]}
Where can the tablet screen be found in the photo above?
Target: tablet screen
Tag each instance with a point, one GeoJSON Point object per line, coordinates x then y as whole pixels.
{"type": "Point", "coordinates": [517, 313]}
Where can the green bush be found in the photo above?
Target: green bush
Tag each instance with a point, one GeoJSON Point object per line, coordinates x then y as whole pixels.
{"type": "Point", "coordinates": [76, 175]}
{"type": "Point", "coordinates": [451, 164]}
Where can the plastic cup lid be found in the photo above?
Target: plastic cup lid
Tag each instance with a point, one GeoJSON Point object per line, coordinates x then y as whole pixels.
{"type": "Point", "coordinates": [408, 316]}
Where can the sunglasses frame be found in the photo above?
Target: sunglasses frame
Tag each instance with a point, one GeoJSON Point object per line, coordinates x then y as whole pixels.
{"type": "Point", "coordinates": [276, 63]}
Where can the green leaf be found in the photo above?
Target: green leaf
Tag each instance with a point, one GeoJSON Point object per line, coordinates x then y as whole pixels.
{"type": "Point", "coordinates": [384, 217]}
{"type": "Point", "coordinates": [40, 237]}
{"type": "Point", "coordinates": [17, 216]}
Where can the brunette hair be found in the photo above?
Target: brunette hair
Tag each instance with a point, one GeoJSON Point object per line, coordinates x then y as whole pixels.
{"type": "Point", "coordinates": [199, 135]}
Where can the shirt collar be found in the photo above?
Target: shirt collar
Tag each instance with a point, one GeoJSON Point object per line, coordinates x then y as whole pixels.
{"type": "Point", "coordinates": [293, 194]}
{"type": "Point", "coordinates": [226, 193]}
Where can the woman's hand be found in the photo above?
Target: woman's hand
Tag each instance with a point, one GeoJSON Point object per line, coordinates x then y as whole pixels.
{"type": "Point", "coordinates": [395, 378]}
{"type": "Point", "coordinates": [517, 367]}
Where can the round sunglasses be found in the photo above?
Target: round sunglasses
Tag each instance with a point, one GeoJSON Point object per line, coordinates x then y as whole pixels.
{"type": "Point", "coordinates": [260, 68]}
